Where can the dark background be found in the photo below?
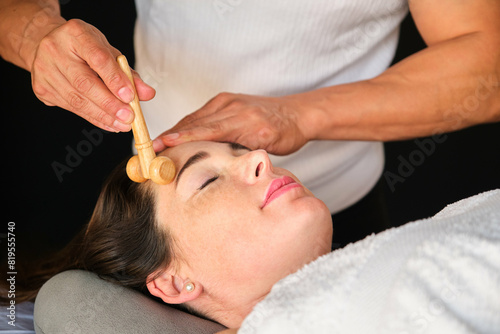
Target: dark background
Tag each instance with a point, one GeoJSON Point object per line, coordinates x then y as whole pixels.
{"type": "Point", "coordinates": [48, 212]}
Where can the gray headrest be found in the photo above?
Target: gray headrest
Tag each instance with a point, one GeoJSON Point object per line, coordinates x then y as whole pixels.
{"type": "Point", "coordinates": [78, 301]}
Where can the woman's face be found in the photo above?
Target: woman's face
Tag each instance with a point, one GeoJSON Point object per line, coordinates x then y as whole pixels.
{"type": "Point", "coordinates": [239, 223]}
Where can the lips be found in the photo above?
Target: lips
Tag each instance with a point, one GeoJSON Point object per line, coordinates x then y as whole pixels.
{"type": "Point", "coordinates": [278, 187]}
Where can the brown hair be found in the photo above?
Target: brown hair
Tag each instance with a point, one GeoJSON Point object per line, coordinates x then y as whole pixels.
{"type": "Point", "coordinates": [122, 242]}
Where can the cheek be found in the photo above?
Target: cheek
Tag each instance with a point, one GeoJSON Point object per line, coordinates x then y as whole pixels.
{"type": "Point", "coordinates": [221, 200]}
{"type": "Point", "coordinates": [209, 228]}
{"type": "Point", "coordinates": [213, 222]}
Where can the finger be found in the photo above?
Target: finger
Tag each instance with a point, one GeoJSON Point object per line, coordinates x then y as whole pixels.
{"type": "Point", "coordinates": [174, 137]}
{"type": "Point", "coordinates": [67, 70]}
{"type": "Point", "coordinates": [177, 138]}
{"type": "Point", "coordinates": [210, 122]}
{"type": "Point", "coordinates": [213, 106]}
{"type": "Point", "coordinates": [52, 89]}
{"type": "Point", "coordinates": [94, 49]}
{"type": "Point", "coordinates": [90, 86]}
{"type": "Point", "coordinates": [226, 130]}
{"type": "Point", "coordinates": [50, 99]}
{"type": "Point", "coordinates": [78, 103]}
{"type": "Point", "coordinates": [144, 91]}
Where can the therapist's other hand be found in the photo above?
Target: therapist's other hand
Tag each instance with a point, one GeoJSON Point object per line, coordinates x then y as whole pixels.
{"type": "Point", "coordinates": [270, 123]}
{"type": "Point", "coordinates": [74, 67]}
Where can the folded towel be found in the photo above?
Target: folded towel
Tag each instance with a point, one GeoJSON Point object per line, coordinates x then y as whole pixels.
{"type": "Point", "coordinates": [437, 275]}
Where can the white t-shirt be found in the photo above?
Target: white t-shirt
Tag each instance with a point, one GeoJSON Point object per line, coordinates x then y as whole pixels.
{"type": "Point", "coordinates": [192, 50]}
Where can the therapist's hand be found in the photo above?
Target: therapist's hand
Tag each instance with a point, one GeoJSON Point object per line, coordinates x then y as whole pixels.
{"type": "Point", "coordinates": [270, 123]}
{"type": "Point", "coordinates": [74, 67]}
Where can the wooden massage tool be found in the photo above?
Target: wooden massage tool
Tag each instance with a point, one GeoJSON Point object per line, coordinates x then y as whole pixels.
{"type": "Point", "coordinates": [145, 165]}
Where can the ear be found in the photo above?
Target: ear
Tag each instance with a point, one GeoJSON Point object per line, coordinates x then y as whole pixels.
{"type": "Point", "coordinates": [172, 289]}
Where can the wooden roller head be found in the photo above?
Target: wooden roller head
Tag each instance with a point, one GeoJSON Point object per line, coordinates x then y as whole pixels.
{"type": "Point", "coordinates": [161, 170]}
{"type": "Point", "coordinates": [146, 165]}
{"type": "Point", "coordinates": [134, 170]}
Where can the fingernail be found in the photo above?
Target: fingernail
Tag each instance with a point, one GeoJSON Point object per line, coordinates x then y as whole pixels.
{"type": "Point", "coordinates": [121, 127]}
{"type": "Point", "coordinates": [126, 95]}
{"type": "Point", "coordinates": [172, 136]}
{"type": "Point", "coordinates": [125, 115]}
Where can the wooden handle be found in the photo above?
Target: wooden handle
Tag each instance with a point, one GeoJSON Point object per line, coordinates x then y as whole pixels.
{"type": "Point", "coordinates": [144, 144]}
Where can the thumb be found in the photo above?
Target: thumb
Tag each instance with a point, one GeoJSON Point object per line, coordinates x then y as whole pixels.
{"type": "Point", "coordinates": [144, 91]}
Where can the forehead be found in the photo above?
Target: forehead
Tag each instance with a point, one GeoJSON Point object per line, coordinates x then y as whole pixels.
{"type": "Point", "coordinates": [180, 153]}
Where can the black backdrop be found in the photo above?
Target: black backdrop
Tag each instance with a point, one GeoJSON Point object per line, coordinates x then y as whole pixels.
{"type": "Point", "coordinates": [48, 209]}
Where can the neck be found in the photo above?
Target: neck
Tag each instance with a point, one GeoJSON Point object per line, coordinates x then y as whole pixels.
{"type": "Point", "coordinates": [229, 311]}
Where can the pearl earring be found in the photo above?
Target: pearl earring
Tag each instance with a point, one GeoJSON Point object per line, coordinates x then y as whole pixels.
{"type": "Point", "coordinates": [189, 287]}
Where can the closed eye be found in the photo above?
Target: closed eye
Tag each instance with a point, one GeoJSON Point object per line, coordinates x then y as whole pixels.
{"type": "Point", "coordinates": [207, 182]}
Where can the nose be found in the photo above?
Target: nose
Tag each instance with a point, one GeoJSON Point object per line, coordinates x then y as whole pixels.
{"type": "Point", "coordinates": [253, 165]}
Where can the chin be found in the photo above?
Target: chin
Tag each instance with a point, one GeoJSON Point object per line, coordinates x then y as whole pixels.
{"type": "Point", "coordinates": [312, 208]}
{"type": "Point", "coordinates": [310, 221]}
{"type": "Point", "coordinates": [303, 209]}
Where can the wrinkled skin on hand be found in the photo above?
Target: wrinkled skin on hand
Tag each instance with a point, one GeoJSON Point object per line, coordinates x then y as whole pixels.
{"type": "Point", "coordinates": [74, 67]}
{"type": "Point", "coordinates": [270, 123]}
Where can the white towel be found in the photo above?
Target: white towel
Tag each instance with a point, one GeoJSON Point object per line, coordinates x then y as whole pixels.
{"type": "Point", "coordinates": [437, 275]}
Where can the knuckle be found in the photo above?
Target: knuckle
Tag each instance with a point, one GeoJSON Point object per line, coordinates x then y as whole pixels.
{"type": "Point", "coordinates": [75, 27]}
{"type": "Point", "coordinates": [98, 57]}
{"type": "Point", "coordinates": [188, 119]}
{"type": "Point", "coordinates": [224, 95]}
{"type": "Point", "coordinates": [221, 98]}
{"type": "Point", "coordinates": [114, 80]}
{"type": "Point", "coordinates": [108, 104]}
{"type": "Point", "coordinates": [38, 89]}
{"type": "Point", "coordinates": [216, 128]}
{"type": "Point", "coordinates": [254, 114]}
{"type": "Point", "coordinates": [46, 101]}
{"type": "Point", "coordinates": [266, 134]}
{"type": "Point", "coordinates": [47, 44]}
{"type": "Point", "coordinates": [83, 83]}
{"type": "Point", "coordinates": [236, 103]}
{"type": "Point", "coordinates": [102, 117]}
{"type": "Point", "coordinates": [98, 118]}
{"type": "Point", "coordinates": [77, 101]}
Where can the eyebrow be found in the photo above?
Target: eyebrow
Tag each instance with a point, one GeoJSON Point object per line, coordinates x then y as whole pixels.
{"type": "Point", "coordinates": [191, 161]}
{"type": "Point", "coordinates": [202, 155]}
{"type": "Point", "coordinates": [236, 146]}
